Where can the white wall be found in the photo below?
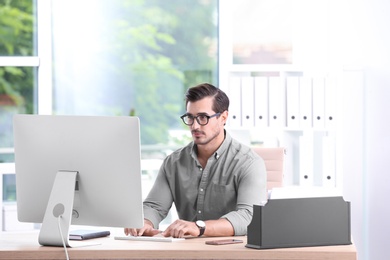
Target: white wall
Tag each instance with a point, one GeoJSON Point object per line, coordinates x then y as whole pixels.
{"type": "Point", "coordinates": [377, 155]}
{"type": "Point", "coordinates": [366, 130]}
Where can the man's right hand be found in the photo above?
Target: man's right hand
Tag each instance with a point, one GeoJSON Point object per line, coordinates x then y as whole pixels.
{"type": "Point", "coordinates": [146, 230]}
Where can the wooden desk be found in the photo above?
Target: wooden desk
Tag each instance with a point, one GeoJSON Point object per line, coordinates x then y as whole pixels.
{"type": "Point", "coordinates": [25, 246]}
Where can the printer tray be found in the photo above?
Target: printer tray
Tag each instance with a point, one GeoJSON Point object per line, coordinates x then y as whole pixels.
{"type": "Point", "coordinates": [299, 223]}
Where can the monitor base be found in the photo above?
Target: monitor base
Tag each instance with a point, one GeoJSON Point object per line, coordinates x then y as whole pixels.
{"type": "Point", "coordinates": [56, 222]}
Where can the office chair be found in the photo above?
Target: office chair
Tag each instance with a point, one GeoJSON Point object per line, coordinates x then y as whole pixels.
{"type": "Point", "coordinates": [274, 164]}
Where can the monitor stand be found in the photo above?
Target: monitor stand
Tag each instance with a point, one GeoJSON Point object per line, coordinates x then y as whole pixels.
{"type": "Point", "coordinates": [56, 222]}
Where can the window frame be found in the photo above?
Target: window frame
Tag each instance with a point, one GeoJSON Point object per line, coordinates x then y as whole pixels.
{"type": "Point", "coordinates": [42, 61]}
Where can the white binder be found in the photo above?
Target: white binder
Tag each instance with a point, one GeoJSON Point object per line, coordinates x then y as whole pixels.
{"type": "Point", "coordinates": [319, 103]}
{"type": "Point", "coordinates": [292, 89]}
{"type": "Point", "coordinates": [277, 102]}
{"type": "Point", "coordinates": [234, 95]}
{"type": "Point", "coordinates": [328, 162]}
{"type": "Point", "coordinates": [261, 101]}
{"type": "Point", "coordinates": [305, 102]}
{"type": "Point", "coordinates": [247, 101]}
{"type": "Point", "coordinates": [330, 102]}
{"type": "Point", "coordinates": [306, 159]}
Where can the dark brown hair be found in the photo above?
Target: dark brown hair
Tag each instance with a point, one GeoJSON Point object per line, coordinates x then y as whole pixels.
{"type": "Point", "coordinates": [196, 93]}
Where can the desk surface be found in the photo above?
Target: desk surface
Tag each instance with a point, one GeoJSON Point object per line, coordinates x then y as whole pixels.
{"type": "Point", "coordinates": [25, 246]}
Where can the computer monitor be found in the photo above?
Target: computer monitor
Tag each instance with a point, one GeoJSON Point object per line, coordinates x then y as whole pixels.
{"type": "Point", "coordinates": [81, 170]}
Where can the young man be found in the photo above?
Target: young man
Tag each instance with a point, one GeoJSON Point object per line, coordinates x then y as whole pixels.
{"type": "Point", "coordinates": [214, 181]}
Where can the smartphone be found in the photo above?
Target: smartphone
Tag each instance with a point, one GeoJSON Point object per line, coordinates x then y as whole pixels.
{"type": "Point", "coordinates": [223, 242]}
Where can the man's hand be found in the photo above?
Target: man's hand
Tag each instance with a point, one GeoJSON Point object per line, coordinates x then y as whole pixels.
{"type": "Point", "coordinates": [146, 230]}
{"type": "Point", "coordinates": [180, 228]}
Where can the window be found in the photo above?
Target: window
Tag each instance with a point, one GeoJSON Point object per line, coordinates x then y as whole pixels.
{"type": "Point", "coordinates": [133, 58]}
{"type": "Point", "coordinates": [18, 68]}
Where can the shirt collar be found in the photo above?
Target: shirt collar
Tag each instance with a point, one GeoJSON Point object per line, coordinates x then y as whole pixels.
{"type": "Point", "coordinates": [222, 148]}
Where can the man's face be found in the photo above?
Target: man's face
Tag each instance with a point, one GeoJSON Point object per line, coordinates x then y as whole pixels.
{"type": "Point", "coordinates": [204, 134]}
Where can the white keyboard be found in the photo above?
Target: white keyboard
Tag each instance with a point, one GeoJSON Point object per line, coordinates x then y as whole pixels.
{"type": "Point", "coordinates": [145, 238]}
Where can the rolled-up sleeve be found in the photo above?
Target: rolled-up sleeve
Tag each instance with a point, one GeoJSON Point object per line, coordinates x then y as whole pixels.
{"type": "Point", "coordinates": [251, 190]}
{"type": "Point", "coordinates": [159, 200]}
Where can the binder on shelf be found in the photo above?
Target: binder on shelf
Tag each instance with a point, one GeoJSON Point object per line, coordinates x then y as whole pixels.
{"type": "Point", "coordinates": [300, 222]}
{"type": "Point", "coordinates": [319, 103]}
{"type": "Point", "coordinates": [234, 93]}
{"type": "Point", "coordinates": [328, 162]}
{"type": "Point", "coordinates": [330, 102]}
{"type": "Point", "coordinates": [306, 159]}
{"type": "Point", "coordinates": [261, 101]}
{"type": "Point", "coordinates": [247, 102]}
{"type": "Point", "coordinates": [305, 101]}
{"type": "Point", "coordinates": [277, 102]}
{"type": "Point", "coordinates": [292, 90]}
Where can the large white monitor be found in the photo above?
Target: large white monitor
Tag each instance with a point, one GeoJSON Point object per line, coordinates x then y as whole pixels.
{"type": "Point", "coordinates": [81, 170]}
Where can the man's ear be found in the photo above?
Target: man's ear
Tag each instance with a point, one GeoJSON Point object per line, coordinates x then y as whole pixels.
{"type": "Point", "coordinates": [224, 116]}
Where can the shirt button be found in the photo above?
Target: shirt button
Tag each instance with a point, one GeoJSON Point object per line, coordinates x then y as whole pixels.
{"type": "Point", "coordinates": [199, 211]}
{"type": "Point", "coordinates": [201, 189]}
{"type": "Point", "coordinates": [201, 169]}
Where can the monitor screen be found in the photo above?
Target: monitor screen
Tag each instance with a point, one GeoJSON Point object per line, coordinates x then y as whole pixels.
{"type": "Point", "coordinates": [96, 157]}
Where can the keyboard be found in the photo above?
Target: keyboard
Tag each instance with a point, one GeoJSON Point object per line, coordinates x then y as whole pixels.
{"type": "Point", "coordinates": [153, 239]}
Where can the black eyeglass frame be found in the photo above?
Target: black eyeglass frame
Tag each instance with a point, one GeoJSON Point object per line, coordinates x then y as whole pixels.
{"type": "Point", "coordinates": [197, 120]}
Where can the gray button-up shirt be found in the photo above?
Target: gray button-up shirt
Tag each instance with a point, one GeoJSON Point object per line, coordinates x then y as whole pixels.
{"type": "Point", "coordinates": [232, 182]}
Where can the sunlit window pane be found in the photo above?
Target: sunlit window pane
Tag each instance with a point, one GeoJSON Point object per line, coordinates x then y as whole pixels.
{"type": "Point", "coordinates": [133, 57]}
{"type": "Point", "coordinates": [17, 28]}
{"type": "Point", "coordinates": [17, 38]}
{"type": "Point", "coordinates": [17, 95]}
{"type": "Point", "coordinates": [9, 187]}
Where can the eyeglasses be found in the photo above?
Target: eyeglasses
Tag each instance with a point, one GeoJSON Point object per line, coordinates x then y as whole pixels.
{"type": "Point", "coordinates": [201, 119]}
